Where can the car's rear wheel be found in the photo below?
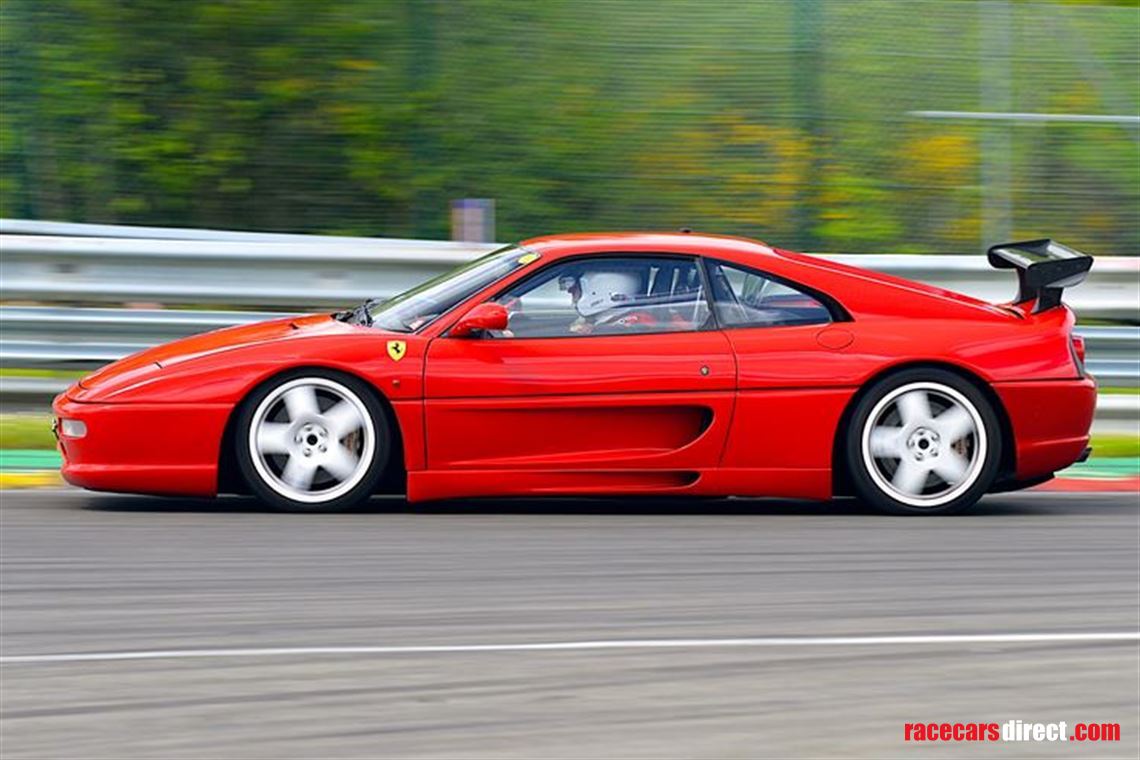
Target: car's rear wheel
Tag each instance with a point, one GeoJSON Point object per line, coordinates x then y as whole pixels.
{"type": "Point", "coordinates": [923, 441]}
{"type": "Point", "coordinates": [312, 441]}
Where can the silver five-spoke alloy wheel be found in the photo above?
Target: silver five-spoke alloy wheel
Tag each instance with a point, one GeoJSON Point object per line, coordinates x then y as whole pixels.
{"type": "Point", "coordinates": [924, 444]}
{"type": "Point", "coordinates": [311, 440]}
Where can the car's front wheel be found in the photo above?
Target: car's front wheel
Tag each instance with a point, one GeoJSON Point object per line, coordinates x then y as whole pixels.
{"type": "Point", "coordinates": [923, 441]}
{"type": "Point", "coordinates": [312, 441]}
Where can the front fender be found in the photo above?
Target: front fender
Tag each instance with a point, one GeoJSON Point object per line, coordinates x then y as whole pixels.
{"type": "Point", "coordinates": [226, 377]}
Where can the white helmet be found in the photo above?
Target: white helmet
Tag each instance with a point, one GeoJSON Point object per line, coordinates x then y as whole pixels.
{"type": "Point", "coordinates": [603, 290]}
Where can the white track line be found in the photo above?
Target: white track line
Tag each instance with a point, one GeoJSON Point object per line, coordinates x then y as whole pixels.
{"type": "Point", "coordinates": [571, 646]}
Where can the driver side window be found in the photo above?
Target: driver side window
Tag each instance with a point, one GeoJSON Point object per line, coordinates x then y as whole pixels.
{"type": "Point", "coordinates": [607, 295]}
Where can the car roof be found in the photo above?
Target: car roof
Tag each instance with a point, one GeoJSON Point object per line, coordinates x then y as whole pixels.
{"type": "Point", "coordinates": [861, 291]}
{"type": "Point", "coordinates": [648, 243]}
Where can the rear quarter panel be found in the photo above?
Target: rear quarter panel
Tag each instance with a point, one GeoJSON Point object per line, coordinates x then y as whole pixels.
{"type": "Point", "coordinates": [794, 389]}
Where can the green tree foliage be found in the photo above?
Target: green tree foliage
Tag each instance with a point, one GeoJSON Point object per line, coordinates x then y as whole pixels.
{"type": "Point", "coordinates": [787, 121]}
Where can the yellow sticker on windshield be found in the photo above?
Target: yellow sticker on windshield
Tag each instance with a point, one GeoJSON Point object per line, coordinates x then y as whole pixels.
{"type": "Point", "coordinates": [527, 258]}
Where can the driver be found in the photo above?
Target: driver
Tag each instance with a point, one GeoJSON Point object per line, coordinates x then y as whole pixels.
{"type": "Point", "coordinates": [598, 296]}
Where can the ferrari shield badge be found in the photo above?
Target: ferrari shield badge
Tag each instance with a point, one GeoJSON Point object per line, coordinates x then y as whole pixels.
{"type": "Point", "coordinates": [397, 349]}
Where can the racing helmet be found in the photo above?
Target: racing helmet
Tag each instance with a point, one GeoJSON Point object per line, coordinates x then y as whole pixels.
{"type": "Point", "coordinates": [605, 289]}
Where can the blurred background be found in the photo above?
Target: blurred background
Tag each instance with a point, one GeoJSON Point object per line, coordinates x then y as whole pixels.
{"type": "Point", "coordinates": [884, 126]}
{"type": "Point", "coordinates": [173, 167]}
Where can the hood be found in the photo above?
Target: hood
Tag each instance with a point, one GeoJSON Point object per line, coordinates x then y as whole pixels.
{"type": "Point", "coordinates": [214, 342]}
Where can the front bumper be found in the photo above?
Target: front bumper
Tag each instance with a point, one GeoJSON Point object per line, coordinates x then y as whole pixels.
{"type": "Point", "coordinates": [154, 448]}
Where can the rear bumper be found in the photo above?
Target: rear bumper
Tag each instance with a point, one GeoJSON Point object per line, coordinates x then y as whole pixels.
{"type": "Point", "coordinates": [1051, 420]}
{"type": "Point", "coordinates": [143, 448]}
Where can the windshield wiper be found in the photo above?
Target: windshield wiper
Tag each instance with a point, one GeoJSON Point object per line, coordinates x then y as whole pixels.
{"type": "Point", "coordinates": [361, 314]}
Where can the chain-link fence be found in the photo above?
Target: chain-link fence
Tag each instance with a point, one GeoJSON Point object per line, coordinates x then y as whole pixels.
{"type": "Point", "coordinates": [832, 125]}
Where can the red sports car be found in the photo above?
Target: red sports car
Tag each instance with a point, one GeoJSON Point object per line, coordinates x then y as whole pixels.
{"type": "Point", "coordinates": [612, 364]}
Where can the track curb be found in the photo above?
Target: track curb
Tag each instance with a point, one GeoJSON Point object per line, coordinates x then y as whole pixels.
{"type": "Point", "coordinates": [34, 479]}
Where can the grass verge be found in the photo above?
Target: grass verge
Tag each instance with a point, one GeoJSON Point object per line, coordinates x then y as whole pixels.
{"type": "Point", "coordinates": [26, 431]}
{"type": "Point", "coordinates": [1115, 446]}
{"type": "Point", "coordinates": [1119, 391]}
{"type": "Point", "coordinates": [54, 374]}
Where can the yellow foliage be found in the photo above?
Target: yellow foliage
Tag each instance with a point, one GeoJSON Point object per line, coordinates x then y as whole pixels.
{"type": "Point", "coordinates": [944, 159]}
{"type": "Point", "coordinates": [358, 64]}
{"type": "Point", "coordinates": [758, 169]}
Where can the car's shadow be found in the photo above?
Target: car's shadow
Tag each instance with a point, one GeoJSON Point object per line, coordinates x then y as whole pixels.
{"type": "Point", "coordinates": [1025, 503]}
{"type": "Point", "coordinates": [563, 506]}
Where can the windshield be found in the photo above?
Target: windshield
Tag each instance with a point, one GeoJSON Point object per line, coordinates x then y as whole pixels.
{"type": "Point", "coordinates": [424, 303]}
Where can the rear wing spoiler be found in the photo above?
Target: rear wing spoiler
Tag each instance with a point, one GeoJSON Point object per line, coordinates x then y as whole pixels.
{"type": "Point", "coordinates": [1044, 269]}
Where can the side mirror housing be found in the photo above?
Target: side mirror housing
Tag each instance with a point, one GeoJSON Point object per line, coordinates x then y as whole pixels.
{"type": "Point", "coordinates": [485, 316]}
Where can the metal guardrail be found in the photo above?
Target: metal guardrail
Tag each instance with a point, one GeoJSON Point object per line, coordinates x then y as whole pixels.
{"type": "Point", "coordinates": [69, 264]}
{"type": "Point", "coordinates": [1113, 354]}
{"type": "Point", "coordinates": [1117, 414]}
{"type": "Point", "coordinates": [261, 274]}
{"type": "Point", "coordinates": [142, 327]}
{"type": "Point", "coordinates": [76, 229]}
{"type": "Point", "coordinates": [70, 338]}
{"type": "Point", "coordinates": [199, 267]}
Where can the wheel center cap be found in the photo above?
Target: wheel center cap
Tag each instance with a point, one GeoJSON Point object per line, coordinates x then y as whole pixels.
{"type": "Point", "coordinates": [311, 439]}
{"type": "Point", "coordinates": [923, 443]}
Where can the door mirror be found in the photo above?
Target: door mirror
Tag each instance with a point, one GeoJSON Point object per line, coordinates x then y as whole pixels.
{"type": "Point", "coordinates": [485, 316]}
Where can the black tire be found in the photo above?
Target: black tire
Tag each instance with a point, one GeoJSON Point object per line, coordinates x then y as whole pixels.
{"type": "Point", "coordinates": [264, 473]}
{"type": "Point", "coordinates": [922, 441]}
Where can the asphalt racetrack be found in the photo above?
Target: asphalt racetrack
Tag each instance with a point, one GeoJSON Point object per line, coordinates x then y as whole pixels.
{"type": "Point", "coordinates": [215, 629]}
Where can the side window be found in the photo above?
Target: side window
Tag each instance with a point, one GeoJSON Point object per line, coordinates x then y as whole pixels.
{"type": "Point", "coordinates": [607, 295]}
{"type": "Point", "coordinates": [747, 298]}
